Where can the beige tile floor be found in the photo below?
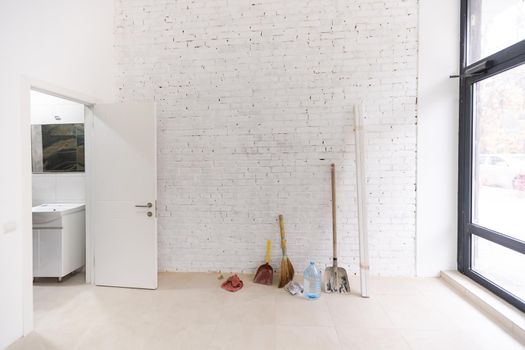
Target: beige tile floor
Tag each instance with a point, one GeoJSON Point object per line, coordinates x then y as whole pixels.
{"type": "Point", "coordinates": [190, 311]}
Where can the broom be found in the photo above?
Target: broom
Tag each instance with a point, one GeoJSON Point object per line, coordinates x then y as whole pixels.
{"type": "Point", "coordinates": [287, 271]}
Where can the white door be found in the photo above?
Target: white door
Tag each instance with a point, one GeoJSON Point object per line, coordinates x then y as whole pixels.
{"type": "Point", "coordinates": [123, 185]}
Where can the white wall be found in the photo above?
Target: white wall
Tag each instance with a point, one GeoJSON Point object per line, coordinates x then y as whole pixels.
{"type": "Point", "coordinates": [59, 188]}
{"type": "Point", "coordinates": [254, 102]}
{"type": "Point", "coordinates": [437, 136]}
{"type": "Point", "coordinates": [46, 108]}
{"type": "Point", "coordinates": [65, 43]}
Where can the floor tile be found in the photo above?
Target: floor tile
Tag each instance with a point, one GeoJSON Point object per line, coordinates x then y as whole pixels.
{"type": "Point", "coordinates": [191, 311]}
{"type": "Point", "coordinates": [357, 312]}
{"type": "Point", "coordinates": [306, 338]}
{"type": "Point", "coordinates": [460, 340]}
{"type": "Point", "coordinates": [240, 337]}
{"type": "Point", "coordinates": [169, 336]}
{"type": "Point", "coordinates": [298, 311]}
{"type": "Point", "coordinates": [353, 338]}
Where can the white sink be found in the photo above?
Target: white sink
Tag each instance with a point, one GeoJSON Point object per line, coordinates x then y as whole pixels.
{"type": "Point", "coordinates": [47, 215]}
{"type": "Point", "coordinates": [60, 207]}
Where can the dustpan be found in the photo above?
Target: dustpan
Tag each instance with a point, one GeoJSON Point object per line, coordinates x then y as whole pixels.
{"type": "Point", "coordinates": [264, 274]}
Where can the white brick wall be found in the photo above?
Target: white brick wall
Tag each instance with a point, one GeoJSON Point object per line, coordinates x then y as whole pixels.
{"type": "Point", "coordinates": [254, 102]}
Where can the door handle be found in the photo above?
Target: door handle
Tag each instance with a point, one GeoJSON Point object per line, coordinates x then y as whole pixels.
{"type": "Point", "coordinates": [149, 205]}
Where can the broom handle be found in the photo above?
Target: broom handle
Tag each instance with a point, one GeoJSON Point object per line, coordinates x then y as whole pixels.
{"type": "Point", "coordinates": [283, 246]}
{"type": "Point", "coordinates": [334, 225]}
{"type": "Point", "coordinates": [281, 225]}
{"type": "Point", "coordinates": [268, 247]}
{"type": "Point", "coordinates": [281, 228]}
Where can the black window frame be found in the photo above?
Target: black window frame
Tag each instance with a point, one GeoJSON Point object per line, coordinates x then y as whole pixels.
{"type": "Point", "coordinates": [470, 74]}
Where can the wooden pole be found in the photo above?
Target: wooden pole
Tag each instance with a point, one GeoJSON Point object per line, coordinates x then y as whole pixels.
{"type": "Point", "coordinates": [364, 265]}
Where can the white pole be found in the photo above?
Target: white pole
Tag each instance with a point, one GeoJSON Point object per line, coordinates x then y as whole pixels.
{"type": "Point", "coordinates": [361, 200]}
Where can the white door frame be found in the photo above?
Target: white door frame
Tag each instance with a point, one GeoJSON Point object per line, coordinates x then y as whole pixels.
{"type": "Point", "coordinates": [28, 84]}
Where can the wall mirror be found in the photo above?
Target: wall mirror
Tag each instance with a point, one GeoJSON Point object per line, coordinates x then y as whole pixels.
{"type": "Point", "coordinates": [57, 147]}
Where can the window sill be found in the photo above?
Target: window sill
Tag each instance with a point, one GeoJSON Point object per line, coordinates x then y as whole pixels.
{"type": "Point", "coordinates": [510, 318]}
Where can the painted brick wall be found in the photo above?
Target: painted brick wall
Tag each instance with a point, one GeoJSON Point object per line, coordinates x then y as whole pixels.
{"type": "Point", "coordinates": [254, 103]}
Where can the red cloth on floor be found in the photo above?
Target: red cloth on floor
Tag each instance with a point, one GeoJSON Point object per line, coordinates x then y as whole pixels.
{"type": "Point", "coordinates": [232, 284]}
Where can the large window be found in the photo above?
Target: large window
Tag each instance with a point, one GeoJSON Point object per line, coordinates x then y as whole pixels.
{"type": "Point", "coordinates": [492, 147]}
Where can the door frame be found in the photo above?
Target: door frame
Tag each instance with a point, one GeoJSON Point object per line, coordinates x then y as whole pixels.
{"type": "Point", "coordinates": [28, 84]}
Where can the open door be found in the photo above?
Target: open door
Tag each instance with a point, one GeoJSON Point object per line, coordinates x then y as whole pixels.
{"type": "Point", "coordinates": [124, 190]}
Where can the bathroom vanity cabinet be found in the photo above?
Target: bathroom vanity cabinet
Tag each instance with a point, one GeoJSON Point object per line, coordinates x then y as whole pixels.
{"type": "Point", "coordinates": [59, 239]}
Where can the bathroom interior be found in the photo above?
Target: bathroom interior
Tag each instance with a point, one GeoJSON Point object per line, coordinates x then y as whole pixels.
{"type": "Point", "coordinates": [58, 189]}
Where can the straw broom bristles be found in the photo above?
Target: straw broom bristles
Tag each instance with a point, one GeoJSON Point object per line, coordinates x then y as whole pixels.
{"type": "Point", "coordinates": [287, 270]}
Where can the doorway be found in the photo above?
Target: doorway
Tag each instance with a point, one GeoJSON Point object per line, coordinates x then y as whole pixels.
{"type": "Point", "coordinates": [59, 183]}
{"type": "Point", "coordinates": [119, 193]}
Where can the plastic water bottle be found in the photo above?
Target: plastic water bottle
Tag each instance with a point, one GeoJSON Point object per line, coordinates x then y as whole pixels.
{"type": "Point", "coordinates": [312, 282]}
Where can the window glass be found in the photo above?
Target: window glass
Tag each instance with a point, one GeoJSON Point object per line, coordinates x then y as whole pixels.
{"type": "Point", "coordinates": [499, 264]}
{"type": "Point", "coordinates": [499, 136]}
{"type": "Point", "coordinates": [493, 26]}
